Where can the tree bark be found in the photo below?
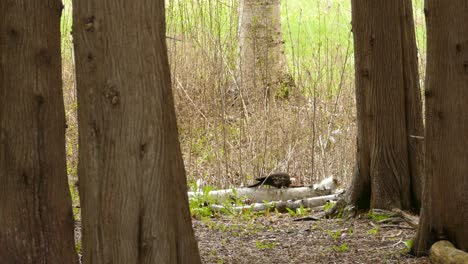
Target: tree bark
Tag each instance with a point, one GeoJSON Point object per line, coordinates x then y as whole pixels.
{"type": "Point", "coordinates": [444, 211]}
{"type": "Point", "coordinates": [132, 178]}
{"type": "Point", "coordinates": [262, 67]}
{"type": "Point", "coordinates": [36, 219]}
{"type": "Point", "coordinates": [389, 151]}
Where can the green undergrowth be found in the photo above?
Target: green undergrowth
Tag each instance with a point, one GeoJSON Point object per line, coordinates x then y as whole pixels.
{"type": "Point", "coordinates": [201, 207]}
{"type": "Point", "coordinates": [377, 217]}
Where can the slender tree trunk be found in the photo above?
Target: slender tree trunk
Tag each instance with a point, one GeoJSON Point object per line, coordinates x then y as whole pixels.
{"type": "Point", "coordinates": [262, 66]}
{"type": "Point", "coordinates": [36, 220]}
{"type": "Point", "coordinates": [389, 154]}
{"type": "Point", "coordinates": [444, 210]}
{"type": "Point", "coordinates": [132, 178]}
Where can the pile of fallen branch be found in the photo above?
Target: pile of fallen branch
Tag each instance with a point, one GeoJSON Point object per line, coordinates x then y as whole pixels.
{"type": "Point", "coordinates": [261, 199]}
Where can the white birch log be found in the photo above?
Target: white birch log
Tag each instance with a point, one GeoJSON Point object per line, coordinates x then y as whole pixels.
{"type": "Point", "coordinates": [259, 195]}
{"type": "Point", "coordinates": [280, 205]}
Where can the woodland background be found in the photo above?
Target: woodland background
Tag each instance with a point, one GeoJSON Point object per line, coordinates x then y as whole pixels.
{"type": "Point", "coordinates": [324, 108]}
{"type": "Point", "coordinates": [310, 136]}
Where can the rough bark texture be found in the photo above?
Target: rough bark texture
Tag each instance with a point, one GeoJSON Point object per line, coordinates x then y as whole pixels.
{"type": "Point", "coordinates": [263, 68]}
{"type": "Point", "coordinates": [36, 220]}
{"type": "Point", "coordinates": [444, 210]}
{"type": "Point", "coordinates": [389, 154]}
{"type": "Point", "coordinates": [132, 178]}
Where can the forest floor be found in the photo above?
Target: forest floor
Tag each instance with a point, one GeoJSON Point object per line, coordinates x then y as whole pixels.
{"type": "Point", "coordinates": [277, 238]}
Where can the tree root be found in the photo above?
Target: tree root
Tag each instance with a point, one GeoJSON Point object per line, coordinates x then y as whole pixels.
{"type": "Point", "coordinates": [444, 252]}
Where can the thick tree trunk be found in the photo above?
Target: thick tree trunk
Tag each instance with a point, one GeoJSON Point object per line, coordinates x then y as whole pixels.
{"type": "Point", "coordinates": [262, 66]}
{"type": "Point", "coordinates": [132, 178]}
{"type": "Point", "coordinates": [389, 154]}
{"type": "Point", "coordinates": [444, 210]}
{"type": "Point", "coordinates": [36, 220]}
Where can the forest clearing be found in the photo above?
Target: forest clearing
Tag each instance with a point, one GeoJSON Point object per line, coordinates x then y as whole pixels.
{"type": "Point", "coordinates": [278, 239]}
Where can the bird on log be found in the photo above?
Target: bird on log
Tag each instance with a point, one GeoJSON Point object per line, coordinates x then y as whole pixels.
{"type": "Point", "coordinates": [277, 179]}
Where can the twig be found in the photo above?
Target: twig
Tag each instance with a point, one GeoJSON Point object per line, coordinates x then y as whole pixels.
{"type": "Point", "coordinates": [393, 245]}
{"type": "Point", "coordinates": [391, 236]}
{"type": "Point", "coordinates": [412, 220]}
{"type": "Point", "coordinates": [190, 99]}
{"type": "Point", "coordinates": [396, 226]}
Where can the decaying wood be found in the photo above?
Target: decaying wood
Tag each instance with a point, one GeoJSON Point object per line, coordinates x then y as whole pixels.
{"type": "Point", "coordinates": [329, 183]}
{"type": "Point", "coordinates": [444, 252]}
{"type": "Point", "coordinates": [391, 220]}
{"type": "Point", "coordinates": [412, 220]}
{"type": "Point", "coordinates": [281, 205]}
{"type": "Point", "coordinates": [259, 195]}
{"type": "Point", "coordinates": [308, 218]}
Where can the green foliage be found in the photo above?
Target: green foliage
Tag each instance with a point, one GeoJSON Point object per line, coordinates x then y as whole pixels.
{"type": "Point", "coordinates": [199, 203]}
{"type": "Point", "coordinates": [265, 245]}
{"type": "Point", "coordinates": [277, 213]}
{"type": "Point", "coordinates": [409, 246]}
{"type": "Point", "coordinates": [341, 248]}
{"type": "Point", "coordinates": [374, 231]}
{"type": "Point", "coordinates": [78, 247]}
{"type": "Point", "coordinates": [301, 211]}
{"type": "Point", "coordinates": [75, 201]}
{"type": "Point", "coordinates": [314, 33]}
{"type": "Point", "coordinates": [284, 91]}
{"type": "Point", "coordinates": [328, 205]}
{"type": "Point", "coordinates": [339, 215]}
{"type": "Point", "coordinates": [334, 234]}
{"type": "Point", "coordinates": [65, 29]}
{"type": "Point", "coordinates": [199, 206]}
{"type": "Point", "coordinates": [378, 217]}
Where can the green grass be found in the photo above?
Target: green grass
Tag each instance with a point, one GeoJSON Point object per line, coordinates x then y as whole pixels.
{"type": "Point", "coordinates": [378, 216]}
{"type": "Point", "coordinates": [264, 245]}
{"type": "Point", "coordinates": [66, 22]}
{"type": "Point", "coordinates": [374, 231]}
{"type": "Point", "coordinates": [341, 248]}
{"type": "Point", "coordinates": [310, 28]}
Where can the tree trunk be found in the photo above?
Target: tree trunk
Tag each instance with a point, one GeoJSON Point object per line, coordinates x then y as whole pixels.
{"type": "Point", "coordinates": [444, 210]}
{"type": "Point", "coordinates": [262, 66]}
{"type": "Point", "coordinates": [389, 151]}
{"type": "Point", "coordinates": [36, 219]}
{"type": "Point", "coordinates": [132, 178]}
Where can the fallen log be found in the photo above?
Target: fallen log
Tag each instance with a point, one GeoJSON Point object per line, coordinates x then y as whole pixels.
{"type": "Point", "coordinates": [412, 220]}
{"type": "Point", "coordinates": [329, 183]}
{"type": "Point", "coordinates": [258, 195]}
{"type": "Point", "coordinates": [444, 252]}
{"type": "Point", "coordinates": [280, 205]}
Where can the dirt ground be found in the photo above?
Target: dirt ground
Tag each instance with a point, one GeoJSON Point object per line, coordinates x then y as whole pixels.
{"type": "Point", "coordinates": [279, 239]}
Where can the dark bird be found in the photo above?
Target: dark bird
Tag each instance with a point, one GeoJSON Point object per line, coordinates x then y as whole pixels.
{"type": "Point", "coordinates": [277, 179]}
